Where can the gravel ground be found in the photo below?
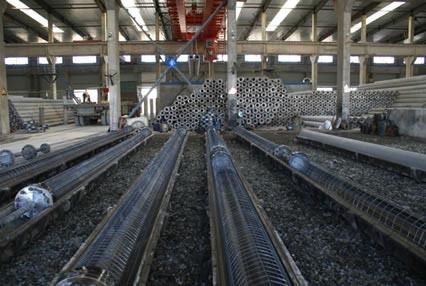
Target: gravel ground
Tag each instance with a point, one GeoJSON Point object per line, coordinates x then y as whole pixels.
{"type": "Point", "coordinates": [183, 252]}
{"type": "Point", "coordinates": [45, 257]}
{"type": "Point", "coordinates": [326, 249]}
{"type": "Point", "coordinates": [400, 190]}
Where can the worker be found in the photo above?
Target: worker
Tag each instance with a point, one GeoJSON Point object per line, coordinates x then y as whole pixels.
{"type": "Point", "coordinates": [86, 96]}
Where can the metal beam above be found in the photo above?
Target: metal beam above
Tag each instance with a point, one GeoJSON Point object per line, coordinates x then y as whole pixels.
{"type": "Point", "coordinates": [49, 9]}
{"type": "Point", "coordinates": [355, 17]}
{"type": "Point", "coordinates": [303, 19]}
{"type": "Point", "coordinates": [243, 47]}
{"type": "Point", "coordinates": [42, 33]}
{"type": "Point", "coordinates": [418, 9]}
{"type": "Point", "coordinates": [264, 7]}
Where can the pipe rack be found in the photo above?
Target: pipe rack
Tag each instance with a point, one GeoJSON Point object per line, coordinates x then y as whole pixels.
{"type": "Point", "coordinates": [408, 163]}
{"type": "Point", "coordinates": [403, 233]}
{"type": "Point", "coordinates": [113, 254]}
{"type": "Point", "coordinates": [245, 252]}
{"type": "Point", "coordinates": [66, 189]}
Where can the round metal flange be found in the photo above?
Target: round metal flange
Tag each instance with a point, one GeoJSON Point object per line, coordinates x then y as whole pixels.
{"type": "Point", "coordinates": [7, 158]}
{"type": "Point", "coordinates": [29, 152]}
{"type": "Point", "coordinates": [45, 148]}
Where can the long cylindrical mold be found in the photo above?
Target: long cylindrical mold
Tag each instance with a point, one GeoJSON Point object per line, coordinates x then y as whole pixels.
{"type": "Point", "coordinates": [409, 163]}
{"type": "Point", "coordinates": [113, 257]}
{"type": "Point", "coordinates": [15, 175]}
{"type": "Point", "coordinates": [63, 184]}
{"type": "Point", "coordinates": [248, 253]}
{"type": "Point", "coordinates": [410, 229]}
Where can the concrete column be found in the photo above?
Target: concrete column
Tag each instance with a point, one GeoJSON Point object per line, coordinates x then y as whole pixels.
{"type": "Point", "coordinates": [264, 38]}
{"type": "Point", "coordinates": [4, 104]}
{"type": "Point", "coordinates": [314, 72]}
{"type": "Point", "coordinates": [343, 11]}
{"type": "Point", "coordinates": [314, 33]}
{"type": "Point", "coordinates": [363, 69]}
{"type": "Point", "coordinates": [231, 65]}
{"type": "Point", "coordinates": [104, 66]}
{"type": "Point", "coordinates": [52, 61]}
{"type": "Point", "coordinates": [409, 66]}
{"type": "Point", "coordinates": [113, 63]}
{"type": "Point", "coordinates": [211, 69]}
{"type": "Point", "coordinates": [363, 29]}
{"type": "Point", "coordinates": [410, 34]}
{"type": "Point", "coordinates": [157, 38]}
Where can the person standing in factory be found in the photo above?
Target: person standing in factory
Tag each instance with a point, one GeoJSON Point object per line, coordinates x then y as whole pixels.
{"type": "Point", "coordinates": [86, 96]}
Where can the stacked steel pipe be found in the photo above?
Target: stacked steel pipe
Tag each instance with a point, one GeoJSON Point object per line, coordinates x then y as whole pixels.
{"type": "Point", "coordinates": [248, 254]}
{"type": "Point", "coordinates": [263, 101]}
{"type": "Point", "coordinates": [113, 257]}
{"type": "Point", "coordinates": [401, 223]}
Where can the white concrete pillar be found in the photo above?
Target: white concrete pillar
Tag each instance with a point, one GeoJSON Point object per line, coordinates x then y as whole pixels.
{"type": "Point", "coordinates": [363, 69]}
{"type": "Point", "coordinates": [231, 64]}
{"type": "Point", "coordinates": [410, 32]}
{"type": "Point", "coordinates": [51, 60]}
{"type": "Point", "coordinates": [314, 32]}
{"type": "Point", "coordinates": [104, 66]}
{"type": "Point", "coordinates": [343, 10]}
{"type": "Point", "coordinates": [314, 72]}
{"type": "Point", "coordinates": [363, 29]}
{"type": "Point", "coordinates": [4, 104]}
{"type": "Point", "coordinates": [113, 63]}
{"type": "Point", "coordinates": [409, 66]}
{"type": "Point", "coordinates": [264, 38]}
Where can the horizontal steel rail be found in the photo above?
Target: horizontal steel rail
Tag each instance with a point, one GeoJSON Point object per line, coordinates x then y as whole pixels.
{"type": "Point", "coordinates": [402, 227]}
{"type": "Point", "coordinates": [66, 188]}
{"type": "Point", "coordinates": [245, 254]}
{"type": "Point", "coordinates": [408, 163]}
{"type": "Point", "coordinates": [12, 176]}
{"type": "Point", "coordinates": [113, 256]}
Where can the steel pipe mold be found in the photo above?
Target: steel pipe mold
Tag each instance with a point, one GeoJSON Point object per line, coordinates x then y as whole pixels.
{"type": "Point", "coordinates": [409, 163]}
{"type": "Point", "coordinates": [404, 228]}
{"type": "Point", "coordinates": [263, 101]}
{"type": "Point", "coordinates": [35, 203]}
{"type": "Point", "coordinates": [15, 175]}
{"type": "Point", "coordinates": [113, 257]}
{"type": "Point", "coordinates": [248, 254]}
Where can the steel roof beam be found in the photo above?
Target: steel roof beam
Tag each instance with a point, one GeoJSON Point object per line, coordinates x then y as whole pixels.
{"type": "Point", "coordinates": [264, 7]}
{"type": "Point", "coordinates": [418, 9]}
{"type": "Point", "coordinates": [355, 17]}
{"type": "Point", "coordinates": [62, 18]}
{"type": "Point", "coordinates": [402, 36]}
{"type": "Point", "coordinates": [303, 19]}
{"type": "Point", "coordinates": [243, 47]}
{"type": "Point", "coordinates": [163, 22]}
{"type": "Point", "coordinates": [42, 33]}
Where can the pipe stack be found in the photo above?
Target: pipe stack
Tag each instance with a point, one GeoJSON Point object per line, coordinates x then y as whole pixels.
{"type": "Point", "coordinates": [262, 101]}
{"type": "Point", "coordinates": [410, 90]}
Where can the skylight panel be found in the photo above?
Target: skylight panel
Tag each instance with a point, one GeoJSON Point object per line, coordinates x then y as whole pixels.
{"type": "Point", "coordinates": [382, 12]}
{"type": "Point", "coordinates": [137, 19]}
{"type": "Point", "coordinates": [239, 7]}
{"type": "Point", "coordinates": [32, 14]}
{"type": "Point", "coordinates": [288, 6]}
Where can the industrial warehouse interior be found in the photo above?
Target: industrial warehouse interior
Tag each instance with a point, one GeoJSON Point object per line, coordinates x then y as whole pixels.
{"type": "Point", "coordinates": [212, 142]}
